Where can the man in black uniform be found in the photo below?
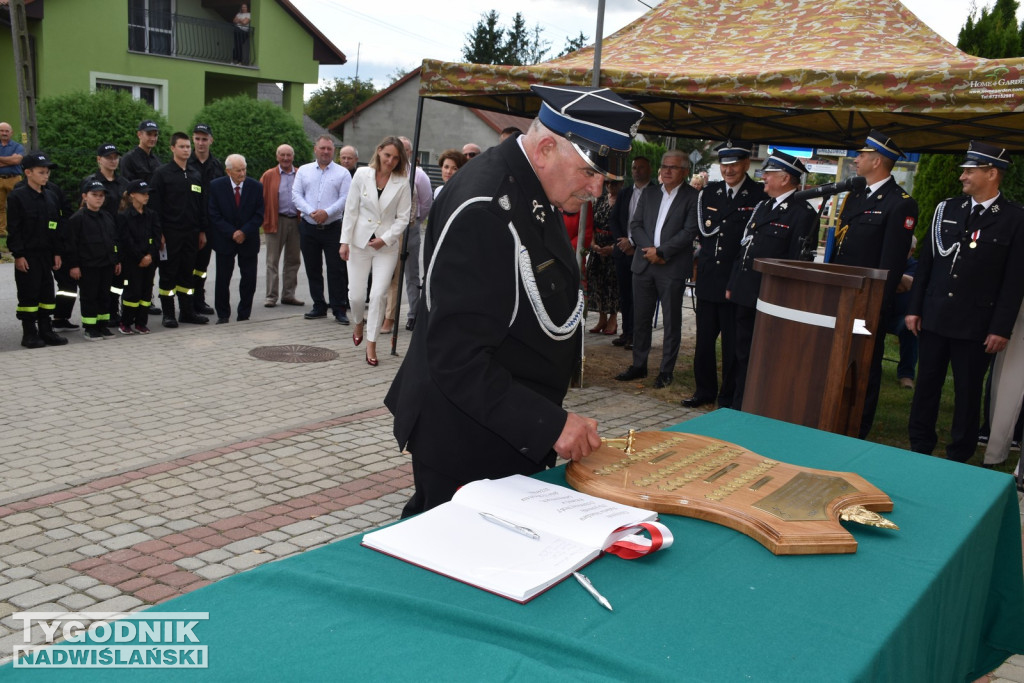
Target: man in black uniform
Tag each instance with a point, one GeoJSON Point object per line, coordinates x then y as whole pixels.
{"type": "Point", "coordinates": [498, 328]}
{"type": "Point", "coordinates": [723, 209]}
{"type": "Point", "coordinates": [32, 221]}
{"type": "Point", "coordinates": [778, 228]}
{"type": "Point", "coordinates": [209, 168]}
{"type": "Point", "coordinates": [876, 225]}
{"type": "Point", "coordinates": [965, 299]}
{"type": "Point", "coordinates": [178, 198]}
{"type": "Point", "coordinates": [141, 161]}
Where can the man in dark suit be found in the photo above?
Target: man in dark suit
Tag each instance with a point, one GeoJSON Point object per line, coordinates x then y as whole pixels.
{"type": "Point", "coordinates": [965, 299]}
{"type": "Point", "coordinates": [236, 214]}
{"type": "Point", "coordinates": [498, 334]}
{"type": "Point", "coordinates": [622, 254]}
{"type": "Point", "coordinates": [876, 225]}
{"type": "Point", "coordinates": [663, 229]}
{"type": "Point", "coordinates": [778, 228]}
{"type": "Point", "coordinates": [723, 209]}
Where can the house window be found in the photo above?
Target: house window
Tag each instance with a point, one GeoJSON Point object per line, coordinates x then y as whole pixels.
{"type": "Point", "coordinates": [147, 93]}
{"type": "Point", "coordinates": [150, 24]}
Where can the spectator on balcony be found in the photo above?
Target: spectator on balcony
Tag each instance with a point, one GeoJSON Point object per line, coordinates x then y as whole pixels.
{"type": "Point", "coordinates": [242, 22]}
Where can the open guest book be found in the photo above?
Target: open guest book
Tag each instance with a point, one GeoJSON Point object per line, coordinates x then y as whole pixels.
{"type": "Point", "coordinates": [516, 537]}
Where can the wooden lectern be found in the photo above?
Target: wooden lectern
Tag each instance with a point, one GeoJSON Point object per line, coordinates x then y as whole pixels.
{"type": "Point", "coordinates": [813, 341]}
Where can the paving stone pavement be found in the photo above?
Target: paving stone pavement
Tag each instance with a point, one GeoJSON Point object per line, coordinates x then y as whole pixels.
{"type": "Point", "coordinates": [142, 468]}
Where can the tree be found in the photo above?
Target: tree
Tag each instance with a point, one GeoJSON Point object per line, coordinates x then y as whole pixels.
{"type": "Point", "coordinates": [485, 43]}
{"type": "Point", "coordinates": [992, 33]}
{"type": "Point", "coordinates": [491, 43]}
{"type": "Point", "coordinates": [574, 44]}
{"type": "Point", "coordinates": [334, 100]}
{"type": "Point", "coordinates": [254, 129]}
{"type": "Point", "coordinates": [72, 126]}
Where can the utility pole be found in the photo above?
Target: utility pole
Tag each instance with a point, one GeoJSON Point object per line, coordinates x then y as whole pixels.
{"type": "Point", "coordinates": [26, 74]}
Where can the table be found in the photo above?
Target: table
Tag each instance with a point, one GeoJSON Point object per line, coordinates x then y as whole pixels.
{"type": "Point", "coordinates": [940, 600]}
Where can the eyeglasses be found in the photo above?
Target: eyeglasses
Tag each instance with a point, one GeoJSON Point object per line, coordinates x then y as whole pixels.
{"type": "Point", "coordinates": [666, 167]}
{"type": "Point", "coordinates": [470, 155]}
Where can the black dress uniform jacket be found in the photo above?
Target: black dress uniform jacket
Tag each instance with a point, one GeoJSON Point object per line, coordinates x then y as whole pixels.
{"type": "Point", "coordinates": [479, 393]}
{"type": "Point", "coordinates": [721, 222]}
{"type": "Point", "coordinates": [971, 293]}
{"type": "Point", "coordinates": [771, 233]}
{"type": "Point", "coordinates": [875, 231]}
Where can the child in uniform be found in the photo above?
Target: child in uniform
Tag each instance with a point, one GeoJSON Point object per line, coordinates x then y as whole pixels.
{"type": "Point", "coordinates": [93, 259]}
{"type": "Point", "coordinates": [138, 232]}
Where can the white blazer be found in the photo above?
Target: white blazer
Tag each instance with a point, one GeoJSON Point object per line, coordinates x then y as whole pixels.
{"type": "Point", "coordinates": [367, 215]}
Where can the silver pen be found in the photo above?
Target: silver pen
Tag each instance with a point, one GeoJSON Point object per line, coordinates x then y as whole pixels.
{"type": "Point", "coordinates": [585, 582]}
{"type": "Point", "coordinates": [511, 526]}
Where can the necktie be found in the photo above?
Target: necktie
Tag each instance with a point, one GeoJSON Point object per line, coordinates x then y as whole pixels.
{"type": "Point", "coordinates": [238, 196]}
{"type": "Point", "coordinates": [973, 216]}
{"type": "Point", "coordinates": [729, 193]}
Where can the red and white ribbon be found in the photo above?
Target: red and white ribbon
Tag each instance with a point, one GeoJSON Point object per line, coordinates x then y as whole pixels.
{"type": "Point", "coordinates": [638, 545]}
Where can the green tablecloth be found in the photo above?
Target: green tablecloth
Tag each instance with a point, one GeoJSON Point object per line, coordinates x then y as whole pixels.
{"type": "Point", "coordinates": [940, 600]}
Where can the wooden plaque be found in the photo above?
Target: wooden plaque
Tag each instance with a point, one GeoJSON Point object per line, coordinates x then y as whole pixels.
{"type": "Point", "coordinates": [788, 509]}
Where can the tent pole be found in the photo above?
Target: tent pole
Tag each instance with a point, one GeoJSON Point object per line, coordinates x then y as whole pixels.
{"type": "Point", "coordinates": [404, 253]}
{"type": "Point", "coordinates": [597, 43]}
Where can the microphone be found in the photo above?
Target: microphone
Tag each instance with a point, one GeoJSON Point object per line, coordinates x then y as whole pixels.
{"type": "Point", "coordinates": [850, 184]}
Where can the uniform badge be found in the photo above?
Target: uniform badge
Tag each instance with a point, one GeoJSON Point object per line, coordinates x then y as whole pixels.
{"type": "Point", "coordinates": [539, 214]}
{"type": "Point", "coordinates": [909, 223]}
{"type": "Point", "coordinates": [994, 208]}
{"type": "Point", "coordinates": [784, 206]}
{"type": "Point", "coordinates": [504, 203]}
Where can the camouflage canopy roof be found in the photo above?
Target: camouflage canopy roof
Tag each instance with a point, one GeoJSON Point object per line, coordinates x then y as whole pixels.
{"type": "Point", "coordinates": [796, 72]}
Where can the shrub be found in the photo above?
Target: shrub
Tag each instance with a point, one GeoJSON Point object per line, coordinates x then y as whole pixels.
{"type": "Point", "coordinates": [72, 126]}
{"type": "Point", "coordinates": [254, 129]}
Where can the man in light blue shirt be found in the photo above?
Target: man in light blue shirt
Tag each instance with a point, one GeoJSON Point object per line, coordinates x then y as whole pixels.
{"type": "Point", "coordinates": [320, 190]}
{"type": "Point", "coordinates": [10, 169]}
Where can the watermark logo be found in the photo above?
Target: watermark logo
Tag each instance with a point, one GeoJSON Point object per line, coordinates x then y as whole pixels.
{"type": "Point", "coordinates": [111, 640]}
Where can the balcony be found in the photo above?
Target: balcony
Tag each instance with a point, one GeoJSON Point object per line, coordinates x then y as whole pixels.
{"type": "Point", "coordinates": [184, 37]}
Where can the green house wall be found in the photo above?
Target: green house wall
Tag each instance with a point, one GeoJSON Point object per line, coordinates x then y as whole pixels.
{"type": "Point", "coordinates": [79, 41]}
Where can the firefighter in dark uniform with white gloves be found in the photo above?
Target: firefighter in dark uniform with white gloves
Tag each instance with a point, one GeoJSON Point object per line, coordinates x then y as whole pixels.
{"type": "Point", "coordinates": [876, 225]}
{"type": "Point", "coordinates": [724, 208]}
{"type": "Point", "coordinates": [498, 331]}
{"type": "Point", "coordinates": [33, 218]}
{"type": "Point", "coordinates": [779, 228]}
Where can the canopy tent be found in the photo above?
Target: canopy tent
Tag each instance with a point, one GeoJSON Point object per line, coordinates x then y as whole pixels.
{"type": "Point", "coordinates": [786, 72]}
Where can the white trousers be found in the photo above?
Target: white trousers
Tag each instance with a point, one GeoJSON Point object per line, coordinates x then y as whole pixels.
{"type": "Point", "coordinates": [361, 263]}
{"type": "Point", "coordinates": [1007, 394]}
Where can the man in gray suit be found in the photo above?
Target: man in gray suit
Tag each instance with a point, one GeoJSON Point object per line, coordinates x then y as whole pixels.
{"type": "Point", "coordinates": [663, 229]}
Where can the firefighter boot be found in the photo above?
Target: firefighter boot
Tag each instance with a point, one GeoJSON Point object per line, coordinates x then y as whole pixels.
{"type": "Point", "coordinates": [29, 337]}
{"type": "Point", "coordinates": [46, 333]}
{"type": "Point", "coordinates": [167, 304]}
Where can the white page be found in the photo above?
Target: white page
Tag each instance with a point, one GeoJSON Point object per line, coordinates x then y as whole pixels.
{"type": "Point", "coordinates": [538, 505]}
{"type": "Point", "coordinates": [455, 540]}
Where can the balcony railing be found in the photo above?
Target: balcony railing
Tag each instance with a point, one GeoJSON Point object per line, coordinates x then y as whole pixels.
{"type": "Point", "coordinates": [177, 35]}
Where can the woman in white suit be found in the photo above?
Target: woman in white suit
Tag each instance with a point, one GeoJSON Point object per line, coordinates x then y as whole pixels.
{"type": "Point", "coordinates": [376, 214]}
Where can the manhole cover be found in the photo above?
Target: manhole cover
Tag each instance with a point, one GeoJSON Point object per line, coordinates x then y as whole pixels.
{"type": "Point", "coordinates": [293, 353]}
